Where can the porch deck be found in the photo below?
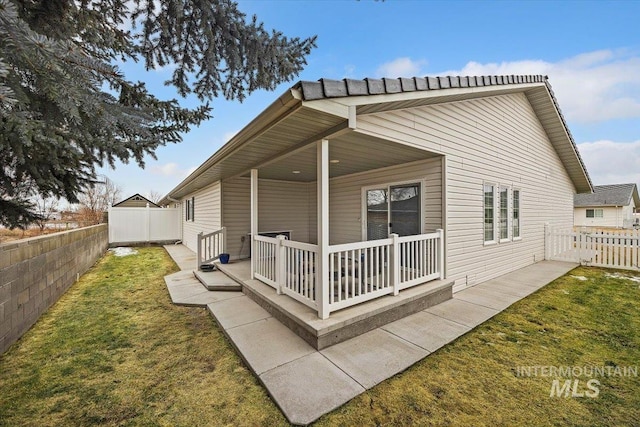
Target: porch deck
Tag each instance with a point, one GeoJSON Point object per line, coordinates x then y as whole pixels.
{"type": "Point", "coordinates": [343, 324]}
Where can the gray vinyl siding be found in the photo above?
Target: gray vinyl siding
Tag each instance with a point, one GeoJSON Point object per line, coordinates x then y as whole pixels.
{"type": "Point", "coordinates": [282, 206]}
{"type": "Point", "coordinates": [207, 214]}
{"type": "Point", "coordinates": [346, 202]}
{"type": "Point", "coordinates": [236, 215]}
{"type": "Point", "coordinates": [495, 140]}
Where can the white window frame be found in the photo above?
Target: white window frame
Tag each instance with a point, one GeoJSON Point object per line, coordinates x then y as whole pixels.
{"type": "Point", "coordinates": [519, 236]}
{"type": "Point", "coordinates": [388, 185]}
{"type": "Point", "coordinates": [495, 231]}
{"type": "Point", "coordinates": [498, 214]}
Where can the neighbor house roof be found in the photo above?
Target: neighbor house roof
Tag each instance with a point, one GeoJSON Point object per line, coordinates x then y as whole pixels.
{"type": "Point", "coordinates": [608, 195]}
{"type": "Point", "coordinates": [136, 197]}
{"type": "Point", "coordinates": [309, 111]}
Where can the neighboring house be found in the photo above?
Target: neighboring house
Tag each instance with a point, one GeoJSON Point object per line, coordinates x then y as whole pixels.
{"type": "Point", "coordinates": [608, 206]}
{"type": "Point", "coordinates": [135, 201]}
{"type": "Point", "coordinates": [487, 159]}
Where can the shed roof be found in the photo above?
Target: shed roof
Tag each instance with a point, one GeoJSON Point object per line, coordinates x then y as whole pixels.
{"type": "Point", "coordinates": [136, 197]}
{"type": "Point", "coordinates": [608, 195]}
{"type": "Point", "coordinates": [309, 111]}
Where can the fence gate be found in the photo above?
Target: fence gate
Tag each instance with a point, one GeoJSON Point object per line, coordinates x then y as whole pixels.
{"type": "Point", "coordinates": [136, 225]}
{"type": "Point", "coordinates": [604, 248]}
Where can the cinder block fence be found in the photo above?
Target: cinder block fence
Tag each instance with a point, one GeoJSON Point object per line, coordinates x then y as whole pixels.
{"type": "Point", "coordinates": [35, 272]}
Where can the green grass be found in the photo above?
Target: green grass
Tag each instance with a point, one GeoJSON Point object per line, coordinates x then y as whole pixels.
{"type": "Point", "coordinates": [115, 351]}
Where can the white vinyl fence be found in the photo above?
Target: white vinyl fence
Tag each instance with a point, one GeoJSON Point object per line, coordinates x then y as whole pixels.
{"type": "Point", "coordinates": [602, 248]}
{"type": "Point", "coordinates": [138, 225]}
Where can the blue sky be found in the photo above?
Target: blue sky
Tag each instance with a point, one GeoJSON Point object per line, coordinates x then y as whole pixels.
{"type": "Point", "coordinates": [589, 50]}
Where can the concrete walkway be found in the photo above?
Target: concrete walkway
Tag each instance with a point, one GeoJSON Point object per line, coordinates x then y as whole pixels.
{"type": "Point", "coordinates": [306, 383]}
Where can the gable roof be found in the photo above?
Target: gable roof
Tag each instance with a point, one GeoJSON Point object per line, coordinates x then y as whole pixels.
{"type": "Point", "coordinates": [609, 195]}
{"type": "Point", "coordinates": [309, 111]}
{"type": "Point", "coordinates": [141, 198]}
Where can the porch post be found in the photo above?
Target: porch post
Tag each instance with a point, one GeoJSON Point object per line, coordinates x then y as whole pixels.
{"type": "Point", "coordinates": [394, 263]}
{"type": "Point", "coordinates": [280, 264]}
{"type": "Point", "coordinates": [322, 297]}
{"type": "Point", "coordinates": [254, 218]}
{"type": "Point", "coordinates": [441, 254]}
{"type": "Point", "coordinates": [199, 250]}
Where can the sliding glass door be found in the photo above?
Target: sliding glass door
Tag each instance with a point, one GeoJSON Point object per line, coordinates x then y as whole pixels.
{"type": "Point", "coordinates": [393, 209]}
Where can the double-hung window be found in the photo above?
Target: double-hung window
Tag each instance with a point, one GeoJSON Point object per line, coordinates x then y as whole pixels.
{"type": "Point", "coordinates": [504, 214]}
{"type": "Point", "coordinates": [515, 214]}
{"type": "Point", "coordinates": [501, 213]}
{"type": "Point", "coordinates": [190, 209]}
{"type": "Point", "coordinates": [489, 213]}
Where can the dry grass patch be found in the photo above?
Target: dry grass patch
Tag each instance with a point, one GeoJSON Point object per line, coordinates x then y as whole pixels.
{"type": "Point", "coordinates": [115, 351]}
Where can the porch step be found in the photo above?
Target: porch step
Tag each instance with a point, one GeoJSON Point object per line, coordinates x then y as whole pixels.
{"type": "Point", "coordinates": [217, 281]}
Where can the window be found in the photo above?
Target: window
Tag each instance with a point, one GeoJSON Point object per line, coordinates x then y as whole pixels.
{"type": "Point", "coordinates": [516, 214]}
{"type": "Point", "coordinates": [489, 210]}
{"type": "Point", "coordinates": [501, 213]}
{"type": "Point", "coordinates": [392, 208]}
{"type": "Point", "coordinates": [190, 209]}
{"type": "Point", "coordinates": [504, 213]}
{"type": "Point", "coordinates": [594, 213]}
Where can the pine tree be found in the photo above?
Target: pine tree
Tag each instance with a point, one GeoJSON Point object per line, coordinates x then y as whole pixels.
{"type": "Point", "coordinates": [66, 108]}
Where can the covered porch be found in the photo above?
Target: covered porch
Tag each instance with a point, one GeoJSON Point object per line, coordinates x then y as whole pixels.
{"type": "Point", "coordinates": [341, 221]}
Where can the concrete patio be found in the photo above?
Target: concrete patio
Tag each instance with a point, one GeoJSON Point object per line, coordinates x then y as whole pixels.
{"type": "Point", "coordinates": [306, 383]}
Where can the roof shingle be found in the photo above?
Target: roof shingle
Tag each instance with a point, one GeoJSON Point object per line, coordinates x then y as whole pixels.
{"type": "Point", "coordinates": [608, 195]}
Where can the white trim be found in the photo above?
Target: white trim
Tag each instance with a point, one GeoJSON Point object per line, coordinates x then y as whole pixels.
{"type": "Point", "coordinates": [254, 217]}
{"type": "Point", "coordinates": [322, 164]}
{"type": "Point", "coordinates": [445, 214]}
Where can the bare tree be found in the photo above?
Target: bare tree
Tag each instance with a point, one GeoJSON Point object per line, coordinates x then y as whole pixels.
{"type": "Point", "coordinates": [97, 199]}
{"type": "Point", "coordinates": [154, 196]}
{"type": "Point", "coordinates": [44, 208]}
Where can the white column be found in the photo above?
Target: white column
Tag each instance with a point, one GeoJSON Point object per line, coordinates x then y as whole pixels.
{"type": "Point", "coordinates": [322, 297]}
{"type": "Point", "coordinates": [394, 263]}
{"type": "Point", "coordinates": [254, 217]}
{"type": "Point", "coordinates": [441, 254]}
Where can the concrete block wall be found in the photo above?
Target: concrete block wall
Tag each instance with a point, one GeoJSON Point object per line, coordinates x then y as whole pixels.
{"type": "Point", "coordinates": [35, 272]}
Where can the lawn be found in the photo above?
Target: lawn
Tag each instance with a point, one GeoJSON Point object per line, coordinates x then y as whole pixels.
{"type": "Point", "coordinates": [114, 351]}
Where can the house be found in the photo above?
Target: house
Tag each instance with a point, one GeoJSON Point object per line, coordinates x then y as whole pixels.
{"type": "Point", "coordinates": [379, 185]}
{"type": "Point", "coordinates": [608, 206]}
{"type": "Point", "coordinates": [135, 201]}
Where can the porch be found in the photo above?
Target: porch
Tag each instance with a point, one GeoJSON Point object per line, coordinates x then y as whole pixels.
{"type": "Point", "coordinates": [331, 228]}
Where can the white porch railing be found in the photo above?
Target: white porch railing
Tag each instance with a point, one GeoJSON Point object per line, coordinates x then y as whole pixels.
{"type": "Point", "coordinates": [612, 249]}
{"type": "Point", "coordinates": [264, 252]}
{"type": "Point", "coordinates": [299, 279]}
{"type": "Point", "coordinates": [211, 245]}
{"type": "Point", "coordinates": [358, 272]}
